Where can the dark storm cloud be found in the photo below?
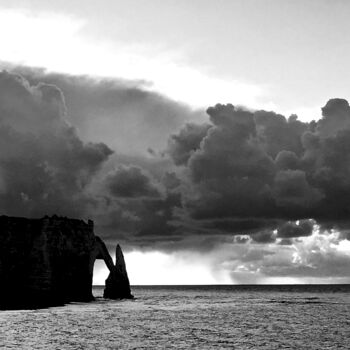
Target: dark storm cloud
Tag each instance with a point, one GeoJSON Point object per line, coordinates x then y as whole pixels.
{"type": "Point", "coordinates": [127, 117]}
{"type": "Point", "coordinates": [287, 160]}
{"type": "Point", "coordinates": [253, 185]}
{"type": "Point", "coordinates": [182, 145]}
{"type": "Point", "coordinates": [44, 165]}
{"type": "Point", "coordinates": [131, 182]}
{"type": "Point", "coordinates": [291, 189]}
{"type": "Point", "coordinates": [239, 226]}
{"type": "Point", "coordinates": [230, 171]}
{"type": "Point", "coordinates": [45, 168]}
{"type": "Point", "coordinates": [258, 166]}
{"type": "Point", "coordinates": [136, 198]}
{"type": "Point", "coordinates": [291, 229]}
{"type": "Point", "coordinates": [276, 133]}
{"type": "Point", "coordinates": [141, 221]}
{"type": "Point", "coordinates": [244, 177]}
{"type": "Point", "coordinates": [170, 180]}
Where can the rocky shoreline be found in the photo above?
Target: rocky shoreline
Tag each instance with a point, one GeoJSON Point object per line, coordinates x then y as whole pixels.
{"type": "Point", "coordinates": [49, 262]}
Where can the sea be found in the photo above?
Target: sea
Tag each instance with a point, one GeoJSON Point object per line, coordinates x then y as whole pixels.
{"type": "Point", "coordinates": [190, 317]}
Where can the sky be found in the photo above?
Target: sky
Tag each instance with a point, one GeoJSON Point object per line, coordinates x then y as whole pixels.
{"type": "Point", "coordinates": [208, 138]}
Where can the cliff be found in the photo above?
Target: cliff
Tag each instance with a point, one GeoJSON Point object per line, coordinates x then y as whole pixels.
{"type": "Point", "coordinates": [117, 283]}
{"type": "Point", "coordinates": [49, 261]}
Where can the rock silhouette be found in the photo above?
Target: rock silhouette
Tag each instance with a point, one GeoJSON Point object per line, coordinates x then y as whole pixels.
{"type": "Point", "coordinates": [117, 283]}
{"type": "Point", "coordinates": [49, 261]}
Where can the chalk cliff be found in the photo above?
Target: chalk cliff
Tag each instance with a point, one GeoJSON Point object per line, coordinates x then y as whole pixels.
{"type": "Point", "coordinates": [50, 261]}
{"type": "Point", "coordinates": [117, 283]}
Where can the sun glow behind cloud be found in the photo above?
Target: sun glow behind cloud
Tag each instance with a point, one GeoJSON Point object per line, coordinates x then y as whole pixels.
{"type": "Point", "coordinates": [58, 43]}
{"type": "Point", "coordinates": [238, 263]}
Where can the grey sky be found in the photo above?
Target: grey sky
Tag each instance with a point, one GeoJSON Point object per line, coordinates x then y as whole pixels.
{"type": "Point", "coordinates": [296, 51]}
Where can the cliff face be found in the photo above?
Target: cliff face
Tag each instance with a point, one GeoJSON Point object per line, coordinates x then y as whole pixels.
{"type": "Point", "coordinates": [117, 283]}
{"type": "Point", "coordinates": [47, 261]}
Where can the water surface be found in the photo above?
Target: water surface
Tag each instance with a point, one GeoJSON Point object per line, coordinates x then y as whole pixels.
{"type": "Point", "coordinates": [190, 317]}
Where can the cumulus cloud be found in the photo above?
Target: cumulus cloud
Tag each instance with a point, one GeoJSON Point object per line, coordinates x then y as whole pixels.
{"type": "Point", "coordinates": [276, 133]}
{"type": "Point", "coordinates": [275, 182]}
{"type": "Point", "coordinates": [44, 165]}
{"type": "Point", "coordinates": [46, 168]}
{"type": "Point", "coordinates": [335, 117]}
{"type": "Point", "coordinates": [230, 171]}
{"type": "Point", "coordinates": [182, 145]}
{"type": "Point", "coordinates": [131, 182]}
{"type": "Point", "coordinates": [259, 166]}
{"type": "Point", "coordinates": [320, 255]}
{"type": "Point", "coordinates": [291, 189]}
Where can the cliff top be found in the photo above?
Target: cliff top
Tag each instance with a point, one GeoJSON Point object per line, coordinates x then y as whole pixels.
{"type": "Point", "coordinates": [53, 218]}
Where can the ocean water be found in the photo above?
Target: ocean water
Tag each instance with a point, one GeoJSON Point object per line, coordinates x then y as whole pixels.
{"type": "Point", "coordinates": [190, 317]}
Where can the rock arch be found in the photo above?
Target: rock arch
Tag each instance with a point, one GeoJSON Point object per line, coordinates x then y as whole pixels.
{"type": "Point", "coordinates": [117, 284]}
{"type": "Point", "coordinates": [50, 261]}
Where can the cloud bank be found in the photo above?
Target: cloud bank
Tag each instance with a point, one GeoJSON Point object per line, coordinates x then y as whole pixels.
{"type": "Point", "coordinates": [44, 166]}
{"type": "Point", "coordinates": [262, 195]}
{"type": "Point", "coordinates": [260, 167]}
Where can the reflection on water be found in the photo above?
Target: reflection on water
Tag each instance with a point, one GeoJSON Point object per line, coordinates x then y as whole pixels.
{"type": "Point", "coordinates": [214, 317]}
